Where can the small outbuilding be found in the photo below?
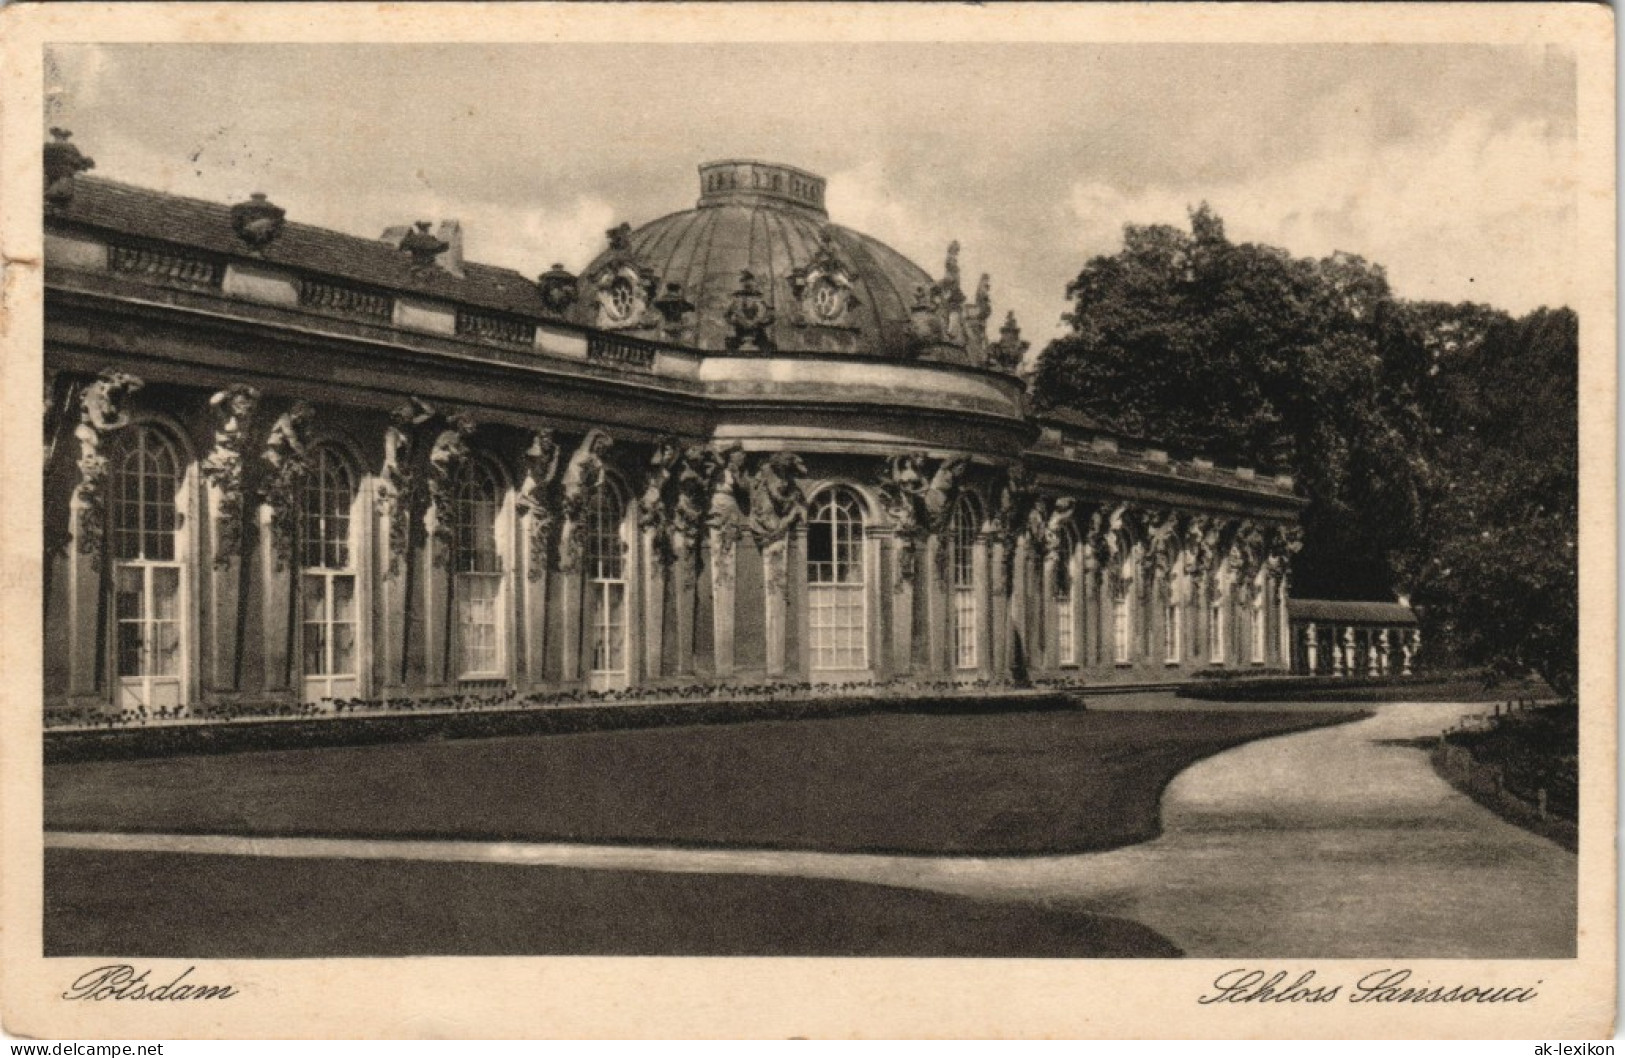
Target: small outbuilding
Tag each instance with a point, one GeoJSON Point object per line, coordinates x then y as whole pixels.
{"type": "Point", "coordinates": [1332, 637]}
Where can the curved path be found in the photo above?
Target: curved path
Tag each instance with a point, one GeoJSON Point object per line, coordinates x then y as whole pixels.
{"type": "Point", "coordinates": [1338, 842]}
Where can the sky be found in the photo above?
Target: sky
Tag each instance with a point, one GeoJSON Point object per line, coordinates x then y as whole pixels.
{"type": "Point", "coordinates": [1450, 165]}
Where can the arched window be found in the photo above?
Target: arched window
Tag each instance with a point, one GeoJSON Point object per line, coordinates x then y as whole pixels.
{"type": "Point", "coordinates": [837, 614]}
{"type": "Point", "coordinates": [962, 529]}
{"type": "Point", "coordinates": [1173, 612]}
{"type": "Point", "coordinates": [1216, 623]}
{"type": "Point", "coordinates": [329, 608]}
{"type": "Point", "coordinates": [1260, 629]}
{"type": "Point", "coordinates": [148, 582]}
{"type": "Point", "coordinates": [1123, 612]}
{"type": "Point", "coordinates": [1173, 630]}
{"type": "Point", "coordinates": [1066, 608]}
{"type": "Point", "coordinates": [477, 566]}
{"type": "Point", "coordinates": [606, 584]}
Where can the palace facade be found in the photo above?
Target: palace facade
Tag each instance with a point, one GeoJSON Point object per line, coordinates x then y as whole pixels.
{"type": "Point", "coordinates": [745, 443]}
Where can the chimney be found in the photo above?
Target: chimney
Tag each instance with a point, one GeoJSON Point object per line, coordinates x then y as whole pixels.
{"type": "Point", "coordinates": [450, 232]}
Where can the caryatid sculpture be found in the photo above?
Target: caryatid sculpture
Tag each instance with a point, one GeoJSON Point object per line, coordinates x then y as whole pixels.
{"type": "Point", "coordinates": [777, 503]}
{"type": "Point", "coordinates": [101, 411]}
{"type": "Point", "coordinates": [448, 454]}
{"type": "Point", "coordinates": [231, 409]}
{"type": "Point", "coordinates": [536, 496]}
{"type": "Point", "coordinates": [286, 465]}
{"type": "Point", "coordinates": [583, 477]}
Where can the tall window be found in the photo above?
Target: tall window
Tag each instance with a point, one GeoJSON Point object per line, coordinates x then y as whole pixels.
{"type": "Point", "coordinates": [149, 639]}
{"type": "Point", "coordinates": [837, 617]}
{"type": "Point", "coordinates": [1066, 609]}
{"type": "Point", "coordinates": [328, 582]}
{"type": "Point", "coordinates": [1122, 613]}
{"type": "Point", "coordinates": [1260, 627]}
{"type": "Point", "coordinates": [1215, 625]}
{"type": "Point", "coordinates": [1173, 632]}
{"type": "Point", "coordinates": [962, 569]}
{"type": "Point", "coordinates": [606, 583]}
{"type": "Point", "coordinates": [478, 571]}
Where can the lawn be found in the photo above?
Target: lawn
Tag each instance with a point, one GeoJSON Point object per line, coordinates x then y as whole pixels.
{"type": "Point", "coordinates": [153, 905]}
{"type": "Point", "coordinates": [985, 783]}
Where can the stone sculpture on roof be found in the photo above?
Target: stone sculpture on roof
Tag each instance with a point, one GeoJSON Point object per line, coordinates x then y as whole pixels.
{"type": "Point", "coordinates": [751, 317]}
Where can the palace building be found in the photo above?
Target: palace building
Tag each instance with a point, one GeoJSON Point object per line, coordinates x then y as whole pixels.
{"type": "Point", "coordinates": [744, 444]}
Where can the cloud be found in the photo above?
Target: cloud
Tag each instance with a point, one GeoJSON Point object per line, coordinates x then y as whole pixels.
{"type": "Point", "coordinates": [1484, 212]}
{"type": "Point", "coordinates": [532, 240]}
{"type": "Point", "coordinates": [919, 217]}
{"type": "Point", "coordinates": [1446, 164]}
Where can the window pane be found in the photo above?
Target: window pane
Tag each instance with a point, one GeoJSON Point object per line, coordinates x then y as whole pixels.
{"type": "Point", "coordinates": [143, 492]}
{"type": "Point", "coordinates": [820, 549]}
{"type": "Point", "coordinates": [615, 626]}
{"type": "Point", "coordinates": [343, 588]}
{"type": "Point", "coordinates": [836, 616]}
{"type": "Point", "coordinates": [1065, 616]}
{"type": "Point", "coordinates": [964, 628]}
{"type": "Point", "coordinates": [606, 554]}
{"type": "Point", "coordinates": [337, 552]}
{"type": "Point", "coordinates": [1120, 626]}
{"type": "Point", "coordinates": [962, 545]}
{"type": "Point", "coordinates": [128, 592]}
{"type": "Point", "coordinates": [473, 519]}
{"type": "Point", "coordinates": [477, 617]}
{"type": "Point", "coordinates": [166, 592]}
{"type": "Point", "coordinates": [315, 648]}
{"type": "Point", "coordinates": [326, 517]}
{"type": "Point", "coordinates": [166, 652]}
{"type": "Point", "coordinates": [343, 649]}
{"type": "Point", "coordinates": [130, 643]}
{"type": "Point", "coordinates": [315, 597]}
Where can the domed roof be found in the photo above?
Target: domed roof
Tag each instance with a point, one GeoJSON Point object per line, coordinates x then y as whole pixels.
{"type": "Point", "coordinates": [757, 266]}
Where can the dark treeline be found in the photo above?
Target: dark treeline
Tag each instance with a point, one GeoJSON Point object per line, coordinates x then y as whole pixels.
{"type": "Point", "coordinates": [1437, 443]}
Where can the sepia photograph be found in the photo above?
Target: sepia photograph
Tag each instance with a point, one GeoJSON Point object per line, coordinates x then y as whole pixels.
{"type": "Point", "coordinates": [1055, 498]}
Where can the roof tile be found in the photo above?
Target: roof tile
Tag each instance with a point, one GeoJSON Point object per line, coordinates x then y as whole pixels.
{"type": "Point", "coordinates": [191, 222]}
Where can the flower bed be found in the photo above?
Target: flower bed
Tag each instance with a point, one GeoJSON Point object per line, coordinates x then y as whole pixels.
{"type": "Point", "coordinates": [359, 722]}
{"type": "Point", "coordinates": [1432, 686]}
{"type": "Point", "coordinates": [897, 688]}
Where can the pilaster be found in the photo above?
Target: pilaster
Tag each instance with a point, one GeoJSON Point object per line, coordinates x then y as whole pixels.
{"type": "Point", "coordinates": [654, 602]}
{"type": "Point", "coordinates": [1000, 608]}
{"type": "Point", "coordinates": [796, 660]}
{"type": "Point", "coordinates": [572, 625]}
{"type": "Point", "coordinates": [984, 624]}
{"type": "Point", "coordinates": [724, 555]}
{"type": "Point", "coordinates": [932, 573]}
{"type": "Point", "coordinates": [278, 612]}
{"type": "Point", "coordinates": [533, 584]}
{"type": "Point", "coordinates": [902, 608]}
{"type": "Point", "coordinates": [683, 584]}
{"type": "Point", "coordinates": [1047, 585]}
{"type": "Point", "coordinates": [86, 618]}
{"type": "Point", "coordinates": [775, 584]}
{"type": "Point", "coordinates": [1019, 625]}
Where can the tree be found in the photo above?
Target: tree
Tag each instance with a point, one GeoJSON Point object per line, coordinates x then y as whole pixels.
{"type": "Point", "coordinates": [1498, 563]}
{"type": "Point", "coordinates": [1247, 354]}
{"type": "Point", "coordinates": [1437, 443]}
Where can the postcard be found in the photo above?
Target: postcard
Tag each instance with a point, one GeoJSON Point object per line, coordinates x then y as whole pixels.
{"type": "Point", "coordinates": [778, 520]}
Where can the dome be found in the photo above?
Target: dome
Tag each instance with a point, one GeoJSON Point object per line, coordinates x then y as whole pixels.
{"type": "Point", "coordinates": [757, 267]}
